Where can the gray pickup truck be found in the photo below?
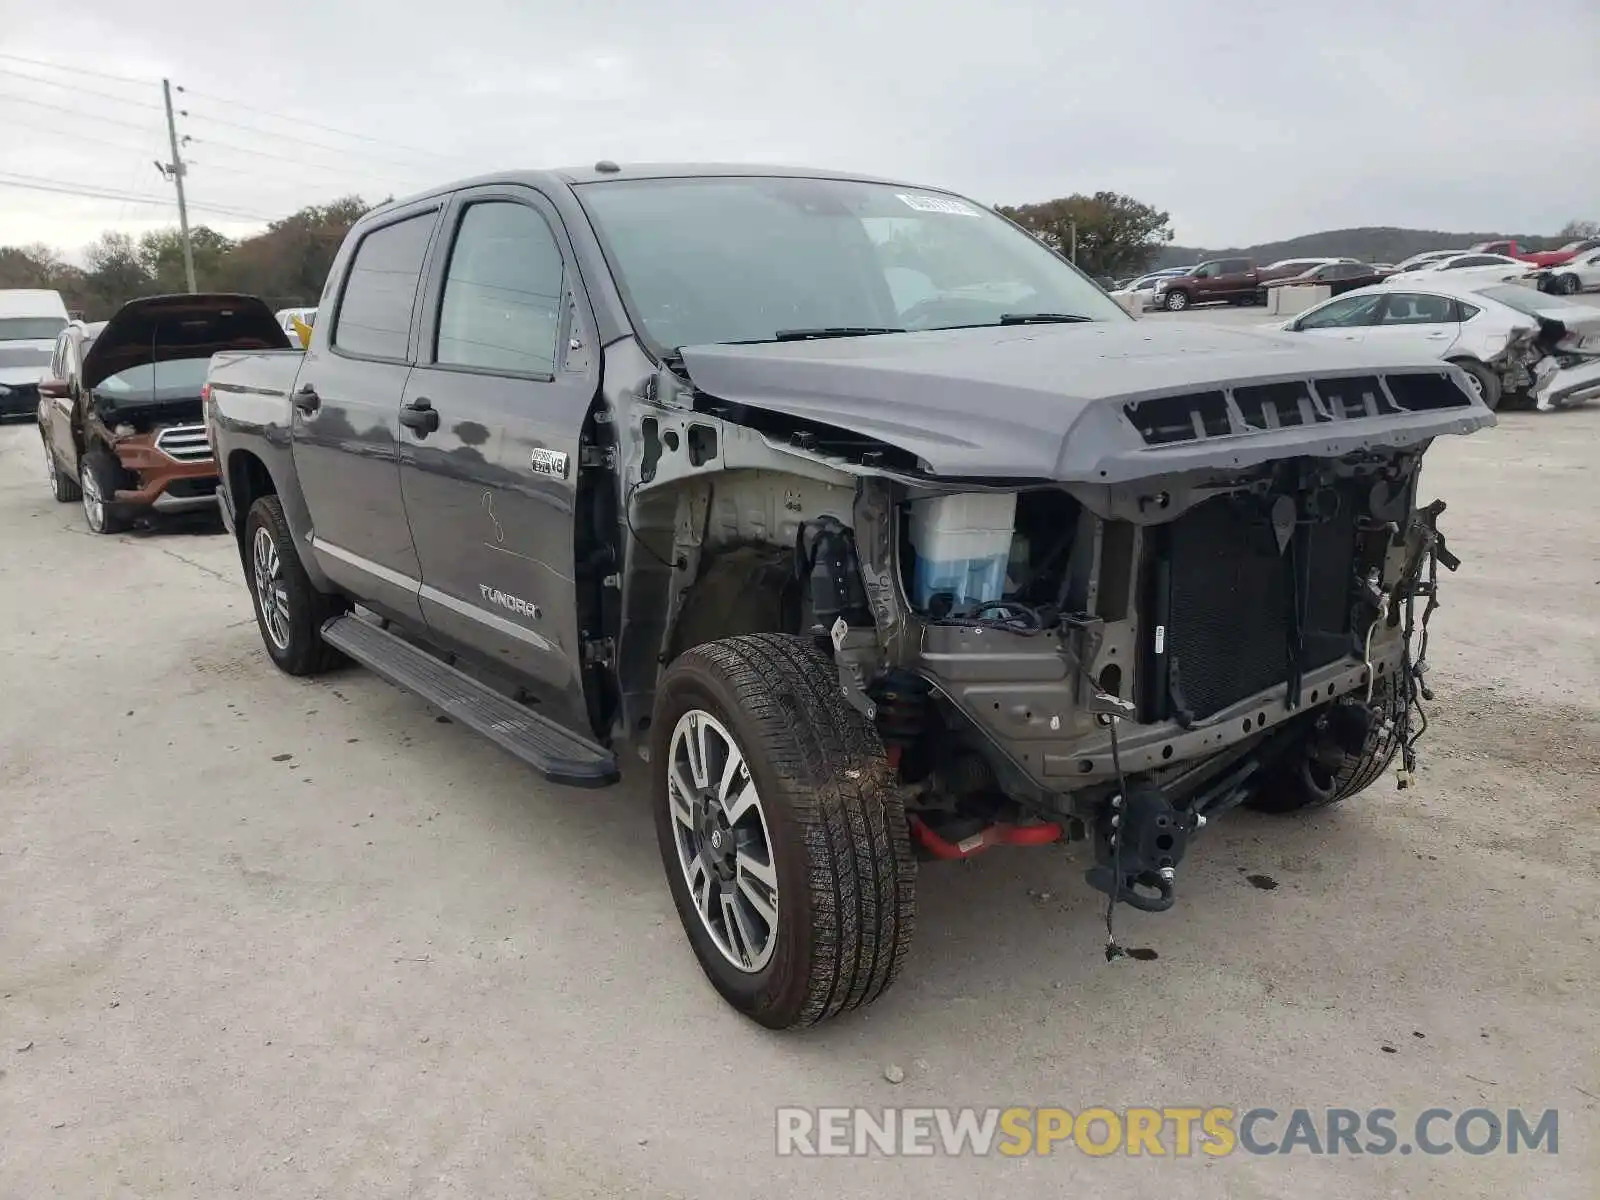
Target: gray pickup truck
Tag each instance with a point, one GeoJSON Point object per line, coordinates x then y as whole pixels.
{"type": "Point", "coordinates": [862, 523]}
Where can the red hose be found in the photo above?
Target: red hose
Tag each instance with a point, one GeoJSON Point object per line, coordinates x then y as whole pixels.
{"type": "Point", "coordinates": [994, 835]}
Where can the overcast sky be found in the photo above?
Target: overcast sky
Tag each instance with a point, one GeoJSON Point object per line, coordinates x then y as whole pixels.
{"type": "Point", "coordinates": [1247, 122]}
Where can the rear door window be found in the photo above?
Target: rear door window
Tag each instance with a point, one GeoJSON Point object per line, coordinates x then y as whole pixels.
{"type": "Point", "coordinates": [1409, 308]}
{"type": "Point", "coordinates": [374, 317]}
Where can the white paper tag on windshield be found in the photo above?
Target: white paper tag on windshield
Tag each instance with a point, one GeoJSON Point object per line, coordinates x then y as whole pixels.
{"type": "Point", "coordinates": [937, 204]}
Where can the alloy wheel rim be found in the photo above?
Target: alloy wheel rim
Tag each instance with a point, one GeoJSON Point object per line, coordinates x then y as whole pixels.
{"type": "Point", "coordinates": [272, 595]}
{"type": "Point", "coordinates": [94, 505]}
{"type": "Point", "coordinates": [719, 830]}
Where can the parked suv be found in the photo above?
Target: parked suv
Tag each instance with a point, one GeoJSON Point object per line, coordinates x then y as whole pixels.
{"type": "Point", "coordinates": [859, 558]}
{"type": "Point", "coordinates": [120, 411]}
{"type": "Point", "coordinates": [1234, 280]}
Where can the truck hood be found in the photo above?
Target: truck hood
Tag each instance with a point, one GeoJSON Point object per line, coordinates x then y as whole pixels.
{"type": "Point", "coordinates": [1069, 402]}
{"type": "Point", "coordinates": [159, 328]}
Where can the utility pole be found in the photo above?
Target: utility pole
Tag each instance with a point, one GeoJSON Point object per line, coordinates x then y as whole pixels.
{"type": "Point", "coordinates": [175, 171]}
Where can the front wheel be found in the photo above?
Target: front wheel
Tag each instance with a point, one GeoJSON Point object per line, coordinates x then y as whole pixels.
{"type": "Point", "coordinates": [1330, 765]}
{"type": "Point", "coordinates": [1176, 301]}
{"type": "Point", "coordinates": [289, 609]}
{"type": "Point", "coordinates": [97, 477]}
{"type": "Point", "coordinates": [781, 830]}
{"type": "Point", "coordinates": [1570, 285]}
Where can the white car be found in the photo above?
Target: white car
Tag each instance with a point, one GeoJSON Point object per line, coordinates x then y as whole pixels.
{"type": "Point", "coordinates": [1495, 268]}
{"type": "Point", "coordinates": [1506, 337]}
{"type": "Point", "coordinates": [1417, 261]}
{"type": "Point", "coordinates": [1144, 287]}
{"type": "Point", "coordinates": [1581, 274]}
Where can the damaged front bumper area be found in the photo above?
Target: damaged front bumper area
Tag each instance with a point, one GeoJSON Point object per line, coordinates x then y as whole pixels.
{"type": "Point", "coordinates": [1167, 644]}
{"type": "Point", "coordinates": [171, 468]}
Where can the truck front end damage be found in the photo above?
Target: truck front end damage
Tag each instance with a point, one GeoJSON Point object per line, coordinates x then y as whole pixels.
{"type": "Point", "coordinates": [1166, 602]}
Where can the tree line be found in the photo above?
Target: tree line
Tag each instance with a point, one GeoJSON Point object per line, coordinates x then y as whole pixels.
{"type": "Point", "coordinates": [285, 265]}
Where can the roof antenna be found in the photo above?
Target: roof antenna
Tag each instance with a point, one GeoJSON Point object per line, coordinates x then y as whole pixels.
{"type": "Point", "coordinates": [606, 167]}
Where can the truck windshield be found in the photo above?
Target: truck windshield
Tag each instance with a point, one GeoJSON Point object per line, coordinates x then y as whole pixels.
{"type": "Point", "coordinates": [31, 329]}
{"type": "Point", "coordinates": [742, 259]}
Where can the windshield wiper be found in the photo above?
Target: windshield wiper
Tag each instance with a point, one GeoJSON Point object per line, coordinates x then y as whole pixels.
{"type": "Point", "coordinates": [832, 331]}
{"type": "Point", "coordinates": [1042, 319]}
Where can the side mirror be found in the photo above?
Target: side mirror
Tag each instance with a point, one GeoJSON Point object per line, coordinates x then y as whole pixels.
{"type": "Point", "coordinates": [55, 389]}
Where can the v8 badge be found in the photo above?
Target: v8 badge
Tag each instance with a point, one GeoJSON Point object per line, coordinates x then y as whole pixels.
{"type": "Point", "coordinates": [550, 463]}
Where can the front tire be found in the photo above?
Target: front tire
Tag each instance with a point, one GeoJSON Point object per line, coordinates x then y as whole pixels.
{"type": "Point", "coordinates": [98, 473]}
{"type": "Point", "coordinates": [1176, 301]}
{"type": "Point", "coordinates": [1570, 285]}
{"type": "Point", "coordinates": [289, 610]}
{"type": "Point", "coordinates": [1485, 382]}
{"type": "Point", "coordinates": [781, 830]}
{"type": "Point", "coordinates": [1319, 773]}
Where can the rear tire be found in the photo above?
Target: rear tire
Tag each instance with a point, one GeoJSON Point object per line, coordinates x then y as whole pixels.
{"type": "Point", "coordinates": [62, 486]}
{"type": "Point", "coordinates": [1488, 385]}
{"type": "Point", "coordinates": [290, 612]}
{"type": "Point", "coordinates": [1570, 285]}
{"type": "Point", "coordinates": [842, 906]}
{"type": "Point", "coordinates": [1307, 780]}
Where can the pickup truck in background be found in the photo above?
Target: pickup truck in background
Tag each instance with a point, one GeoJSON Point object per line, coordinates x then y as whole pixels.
{"type": "Point", "coordinates": [1233, 280]}
{"type": "Point", "coordinates": [859, 564]}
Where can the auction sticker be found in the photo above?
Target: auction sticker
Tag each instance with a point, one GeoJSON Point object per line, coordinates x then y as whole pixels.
{"type": "Point", "coordinates": [937, 204]}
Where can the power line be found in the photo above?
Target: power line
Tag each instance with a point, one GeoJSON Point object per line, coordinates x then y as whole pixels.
{"type": "Point", "coordinates": [278, 116]}
{"type": "Point", "coordinates": [38, 62]}
{"type": "Point", "coordinates": [259, 132]}
{"type": "Point", "coordinates": [79, 88]}
{"type": "Point", "coordinates": [89, 137]}
{"type": "Point", "coordinates": [94, 192]}
{"type": "Point", "coordinates": [74, 112]}
{"type": "Point", "coordinates": [302, 164]}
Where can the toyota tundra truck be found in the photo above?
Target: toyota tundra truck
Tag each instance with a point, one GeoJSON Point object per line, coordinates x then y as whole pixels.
{"type": "Point", "coordinates": [857, 522]}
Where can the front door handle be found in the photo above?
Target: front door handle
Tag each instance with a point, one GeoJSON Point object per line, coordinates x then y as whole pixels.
{"type": "Point", "coordinates": [307, 400]}
{"type": "Point", "coordinates": [420, 416]}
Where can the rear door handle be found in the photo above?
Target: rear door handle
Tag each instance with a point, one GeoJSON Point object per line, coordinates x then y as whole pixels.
{"type": "Point", "coordinates": [307, 400]}
{"type": "Point", "coordinates": [420, 416]}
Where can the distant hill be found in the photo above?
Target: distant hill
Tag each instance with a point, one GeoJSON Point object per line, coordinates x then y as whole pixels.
{"type": "Point", "coordinates": [1371, 244]}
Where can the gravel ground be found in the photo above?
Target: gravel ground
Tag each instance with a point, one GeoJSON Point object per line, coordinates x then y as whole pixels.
{"type": "Point", "coordinates": [291, 938]}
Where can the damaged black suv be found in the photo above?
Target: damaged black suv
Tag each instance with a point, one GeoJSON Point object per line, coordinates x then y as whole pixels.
{"type": "Point", "coordinates": [863, 522]}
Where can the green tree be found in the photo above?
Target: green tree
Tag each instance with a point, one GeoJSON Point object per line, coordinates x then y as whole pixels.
{"type": "Point", "coordinates": [1116, 235]}
{"type": "Point", "coordinates": [161, 255]}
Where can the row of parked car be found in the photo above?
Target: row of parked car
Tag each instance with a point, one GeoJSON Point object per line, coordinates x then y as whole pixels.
{"type": "Point", "coordinates": [1573, 268]}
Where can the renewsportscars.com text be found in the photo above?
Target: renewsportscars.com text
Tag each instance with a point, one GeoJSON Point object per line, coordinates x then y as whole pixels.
{"type": "Point", "coordinates": [1178, 1132]}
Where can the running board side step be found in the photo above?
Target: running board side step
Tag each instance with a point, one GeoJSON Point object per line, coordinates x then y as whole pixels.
{"type": "Point", "coordinates": [556, 753]}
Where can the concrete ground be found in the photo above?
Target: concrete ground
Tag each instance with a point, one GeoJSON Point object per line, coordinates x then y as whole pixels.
{"type": "Point", "coordinates": [301, 939]}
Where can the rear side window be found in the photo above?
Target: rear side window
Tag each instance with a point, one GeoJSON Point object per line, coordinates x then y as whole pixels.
{"type": "Point", "coordinates": [374, 316]}
{"type": "Point", "coordinates": [1407, 308]}
{"type": "Point", "coordinates": [501, 308]}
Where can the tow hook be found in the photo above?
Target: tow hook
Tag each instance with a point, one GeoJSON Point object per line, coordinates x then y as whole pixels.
{"type": "Point", "coordinates": [999, 834]}
{"type": "Point", "coordinates": [1139, 840]}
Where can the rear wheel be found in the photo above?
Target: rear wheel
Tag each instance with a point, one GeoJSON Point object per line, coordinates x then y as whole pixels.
{"type": "Point", "coordinates": [98, 473]}
{"type": "Point", "coordinates": [1569, 285]}
{"type": "Point", "coordinates": [781, 830]}
{"type": "Point", "coordinates": [289, 610]}
{"type": "Point", "coordinates": [62, 485]}
{"type": "Point", "coordinates": [1483, 381]}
